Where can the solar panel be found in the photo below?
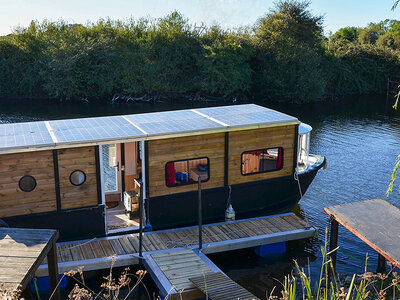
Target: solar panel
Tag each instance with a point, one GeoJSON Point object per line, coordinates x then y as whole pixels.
{"type": "Point", "coordinates": [139, 126]}
{"type": "Point", "coordinates": [24, 134]}
{"type": "Point", "coordinates": [249, 114]}
{"type": "Point", "coordinates": [90, 129]}
{"type": "Point", "coordinates": [172, 121]}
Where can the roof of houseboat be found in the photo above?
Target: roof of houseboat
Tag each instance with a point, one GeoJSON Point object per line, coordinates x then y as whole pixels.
{"type": "Point", "coordinates": [29, 136]}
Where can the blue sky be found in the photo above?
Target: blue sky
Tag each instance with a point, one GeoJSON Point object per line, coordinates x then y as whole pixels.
{"type": "Point", "coordinates": [227, 13]}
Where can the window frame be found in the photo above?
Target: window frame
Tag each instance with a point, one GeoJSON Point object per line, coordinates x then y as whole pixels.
{"type": "Point", "coordinates": [259, 172]}
{"type": "Point", "coordinates": [187, 183]}
{"type": "Point", "coordinates": [24, 190]}
{"type": "Point", "coordinates": [77, 170]}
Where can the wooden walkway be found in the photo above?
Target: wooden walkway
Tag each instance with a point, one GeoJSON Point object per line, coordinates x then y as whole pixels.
{"type": "Point", "coordinates": [189, 274]}
{"type": "Point", "coordinates": [96, 253]}
{"type": "Point", "coordinates": [171, 272]}
{"type": "Point", "coordinates": [376, 222]}
{"type": "Point", "coordinates": [218, 286]}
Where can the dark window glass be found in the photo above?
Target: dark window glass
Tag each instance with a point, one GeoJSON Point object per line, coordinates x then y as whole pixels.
{"type": "Point", "coordinates": [27, 183]}
{"type": "Point", "coordinates": [187, 171]}
{"type": "Point", "coordinates": [77, 177]}
{"type": "Point", "coordinates": [263, 160]}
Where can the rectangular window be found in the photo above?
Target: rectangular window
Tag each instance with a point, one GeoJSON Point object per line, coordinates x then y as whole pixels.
{"type": "Point", "coordinates": [262, 160]}
{"type": "Point", "coordinates": [183, 172]}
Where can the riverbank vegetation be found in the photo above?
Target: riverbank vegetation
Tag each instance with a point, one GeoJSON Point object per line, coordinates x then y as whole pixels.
{"type": "Point", "coordinates": [284, 56]}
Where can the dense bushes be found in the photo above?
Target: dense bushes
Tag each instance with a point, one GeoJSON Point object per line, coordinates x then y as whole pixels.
{"type": "Point", "coordinates": [282, 57]}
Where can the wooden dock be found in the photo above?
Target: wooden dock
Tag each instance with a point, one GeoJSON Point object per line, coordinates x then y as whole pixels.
{"type": "Point", "coordinates": [218, 286]}
{"type": "Point", "coordinates": [189, 274]}
{"type": "Point", "coordinates": [96, 253]}
{"type": "Point", "coordinates": [22, 250]}
{"type": "Point", "coordinates": [373, 221]}
{"type": "Point", "coordinates": [172, 257]}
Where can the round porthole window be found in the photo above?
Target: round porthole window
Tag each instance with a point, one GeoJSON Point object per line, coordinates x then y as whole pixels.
{"type": "Point", "coordinates": [27, 183]}
{"type": "Point", "coordinates": [77, 177]}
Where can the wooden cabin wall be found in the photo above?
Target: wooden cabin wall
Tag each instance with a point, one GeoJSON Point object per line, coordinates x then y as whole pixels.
{"type": "Point", "coordinates": [162, 151]}
{"type": "Point", "coordinates": [247, 140]}
{"type": "Point", "coordinates": [72, 159]}
{"type": "Point", "coordinates": [14, 201]}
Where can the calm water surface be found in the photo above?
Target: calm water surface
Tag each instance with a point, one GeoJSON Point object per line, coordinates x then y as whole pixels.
{"type": "Point", "coordinates": [360, 137]}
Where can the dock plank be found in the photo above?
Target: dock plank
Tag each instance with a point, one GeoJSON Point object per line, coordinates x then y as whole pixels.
{"type": "Point", "coordinates": [221, 287]}
{"type": "Point", "coordinates": [374, 222]}
{"type": "Point", "coordinates": [216, 238]}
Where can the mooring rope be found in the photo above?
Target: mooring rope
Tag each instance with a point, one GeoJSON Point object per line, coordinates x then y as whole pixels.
{"type": "Point", "coordinates": [296, 177]}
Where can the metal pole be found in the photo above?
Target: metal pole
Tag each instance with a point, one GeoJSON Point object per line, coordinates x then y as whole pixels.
{"type": "Point", "coordinates": [140, 222]}
{"type": "Point", "coordinates": [333, 242]}
{"type": "Point", "coordinates": [200, 216]}
{"type": "Point", "coordinates": [381, 264]}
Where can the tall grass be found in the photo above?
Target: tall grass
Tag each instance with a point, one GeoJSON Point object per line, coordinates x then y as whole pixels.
{"type": "Point", "coordinates": [299, 284]}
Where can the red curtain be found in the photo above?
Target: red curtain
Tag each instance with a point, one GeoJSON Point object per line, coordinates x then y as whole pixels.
{"type": "Point", "coordinates": [170, 173]}
{"type": "Point", "coordinates": [258, 153]}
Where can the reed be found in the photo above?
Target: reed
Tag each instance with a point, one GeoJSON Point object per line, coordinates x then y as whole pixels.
{"type": "Point", "coordinates": [299, 284]}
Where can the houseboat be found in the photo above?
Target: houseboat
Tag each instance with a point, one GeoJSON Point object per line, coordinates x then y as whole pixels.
{"type": "Point", "coordinates": [82, 176]}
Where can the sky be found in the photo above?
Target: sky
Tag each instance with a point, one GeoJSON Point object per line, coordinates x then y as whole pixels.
{"type": "Point", "coordinates": [227, 13]}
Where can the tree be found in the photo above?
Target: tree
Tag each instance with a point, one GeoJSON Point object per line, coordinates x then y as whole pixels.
{"type": "Point", "coordinates": [289, 53]}
{"type": "Point", "coordinates": [346, 33]}
{"type": "Point", "coordinates": [290, 23]}
{"type": "Point", "coordinates": [367, 36]}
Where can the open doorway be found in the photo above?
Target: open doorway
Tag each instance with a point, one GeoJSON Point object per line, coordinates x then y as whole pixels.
{"type": "Point", "coordinates": [121, 166]}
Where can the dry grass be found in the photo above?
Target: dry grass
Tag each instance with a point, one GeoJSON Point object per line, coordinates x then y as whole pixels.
{"type": "Point", "coordinates": [110, 288]}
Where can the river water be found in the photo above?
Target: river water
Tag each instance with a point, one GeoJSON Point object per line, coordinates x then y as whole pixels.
{"type": "Point", "coordinates": [360, 136]}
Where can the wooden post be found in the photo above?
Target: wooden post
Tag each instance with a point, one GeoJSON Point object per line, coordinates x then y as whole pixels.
{"type": "Point", "coordinates": [333, 242]}
{"type": "Point", "coordinates": [381, 264]}
{"type": "Point", "coordinates": [53, 271]}
{"type": "Point", "coordinates": [200, 216]}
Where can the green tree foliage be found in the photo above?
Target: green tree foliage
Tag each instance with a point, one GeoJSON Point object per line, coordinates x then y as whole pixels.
{"type": "Point", "coordinates": [288, 47]}
{"type": "Point", "coordinates": [361, 69]}
{"type": "Point", "coordinates": [346, 33]}
{"type": "Point", "coordinates": [227, 68]}
{"type": "Point", "coordinates": [284, 56]}
{"type": "Point", "coordinates": [367, 37]}
{"type": "Point", "coordinates": [289, 23]}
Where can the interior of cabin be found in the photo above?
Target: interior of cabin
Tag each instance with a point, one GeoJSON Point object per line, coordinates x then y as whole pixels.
{"type": "Point", "coordinates": [121, 166]}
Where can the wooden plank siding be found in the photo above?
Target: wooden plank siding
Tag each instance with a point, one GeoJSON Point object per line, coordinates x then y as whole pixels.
{"type": "Point", "coordinates": [247, 140]}
{"type": "Point", "coordinates": [72, 159]}
{"type": "Point", "coordinates": [163, 151]}
{"type": "Point", "coordinates": [14, 201]}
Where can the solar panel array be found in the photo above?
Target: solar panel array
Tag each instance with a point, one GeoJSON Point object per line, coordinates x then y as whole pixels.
{"type": "Point", "coordinates": [93, 129]}
{"type": "Point", "coordinates": [19, 135]}
{"type": "Point", "coordinates": [172, 121]}
{"type": "Point", "coordinates": [134, 127]}
{"type": "Point", "coordinates": [242, 115]}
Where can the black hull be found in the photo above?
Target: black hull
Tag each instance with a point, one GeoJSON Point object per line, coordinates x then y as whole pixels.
{"type": "Point", "coordinates": [265, 197]}
{"type": "Point", "coordinates": [72, 224]}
